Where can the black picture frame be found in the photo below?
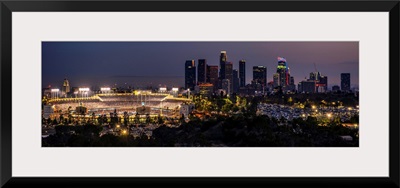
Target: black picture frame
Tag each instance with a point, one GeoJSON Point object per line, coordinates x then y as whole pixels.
{"type": "Point", "coordinates": [7, 7]}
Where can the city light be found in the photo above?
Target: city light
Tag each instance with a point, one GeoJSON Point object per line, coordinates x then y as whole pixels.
{"type": "Point", "coordinates": [84, 89]}
{"type": "Point", "coordinates": [175, 89]}
{"type": "Point", "coordinates": [163, 89]}
{"type": "Point", "coordinates": [329, 115]}
{"type": "Point", "coordinates": [103, 89]}
{"type": "Point", "coordinates": [55, 90]}
{"type": "Point", "coordinates": [281, 59]}
{"type": "Point", "coordinates": [313, 107]}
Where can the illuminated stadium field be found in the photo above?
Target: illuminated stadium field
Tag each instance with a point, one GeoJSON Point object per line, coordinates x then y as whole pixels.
{"type": "Point", "coordinates": [122, 102]}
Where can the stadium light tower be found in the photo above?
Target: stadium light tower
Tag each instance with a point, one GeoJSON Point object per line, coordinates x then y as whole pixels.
{"type": "Point", "coordinates": [175, 91]}
{"type": "Point", "coordinates": [84, 92]}
{"type": "Point", "coordinates": [54, 93]}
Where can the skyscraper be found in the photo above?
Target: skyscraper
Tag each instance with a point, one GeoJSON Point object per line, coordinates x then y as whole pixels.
{"type": "Point", "coordinates": [229, 75]}
{"type": "Point", "coordinates": [260, 76]}
{"type": "Point", "coordinates": [345, 81]}
{"type": "Point", "coordinates": [283, 72]}
{"type": "Point", "coordinates": [242, 73]}
{"type": "Point", "coordinates": [190, 74]}
{"type": "Point", "coordinates": [201, 71]}
{"type": "Point", "coordinates": [212, 75]}
{"type": "Point", "coordinates": [66, 88]}
{"type": "Point", "coordinates": [323, 84]}
{"type": "Point", "coordinates": [235, 81]}
{"type": "Point", "coordinates": [223, 58]}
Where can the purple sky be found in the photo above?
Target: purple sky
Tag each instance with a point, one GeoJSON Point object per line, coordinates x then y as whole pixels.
{"type": "Point", "coordinates": [154, 63]}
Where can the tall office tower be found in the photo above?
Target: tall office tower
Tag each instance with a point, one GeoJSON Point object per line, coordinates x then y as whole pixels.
{"type": "Point", "coordinates": [223, 58]}
{"type": "Point", "coordinates": [242, 73]}
{"type": "Point", "coordinates": [276, 80]}
{"type": "Point", "coordinates": [345, 81]}
{"type": "Point", "coordinates": [235, 81]}
{"type": "Point", "coordinates": [66, 88]}
{"type": "Point", "coordinates": [229, 75]}
{"type": "Point", "coordinates": [323, 84]}
{"type": "Point", "coordinates": [201, 71]}
{"type": "Point", "coordinates": [292, 86]}
{"type": "Point", "coordinates": [283, 72]}
{"type": "Point", "coordinates": [260, 75]}
{"type": "Point", "coordinates": [212, 76]}
{"type": "Point", "coordinates": [190, 74]}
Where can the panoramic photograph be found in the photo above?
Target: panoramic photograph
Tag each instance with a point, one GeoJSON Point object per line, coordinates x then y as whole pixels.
{"type": "Point", "coordinates": [200, 94]}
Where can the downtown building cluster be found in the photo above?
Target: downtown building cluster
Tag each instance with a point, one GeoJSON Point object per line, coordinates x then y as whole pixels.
{"type": "Point", "coordinates": [216, 79]}
{"type": "Point", "coordinates": [206, 79]}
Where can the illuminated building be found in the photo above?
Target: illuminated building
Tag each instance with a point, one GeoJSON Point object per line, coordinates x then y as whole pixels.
{"type": "Point", "coordinates": [345, 81]}
{"type": "Point", "coordinates": [223, 58]}
{"type": "Point", "coordinates": [212, 75]}
{"type": "Point", "coordinates": [242, 73]}
{"type": "Point", "coordinates": [283, 71]}
{"type": "Point", "coordinates": [205, 90]}
{"type": "Point", "coordinates": [260, 76]}
{"type": "Point", "coordinates": [201, 71]}
{"type": "Point", "coordinates": [306, 86]}
{"type": "Point", "coordinates": [66, 88]}
{"type": "Point", "coordinates": [321, 82]}
{"type": "Point", "coordinates": [190, 74]}
{"type": "Point", "coordinates": [322, 85]}
{"type": "Point", "coordinates": [235, 81]}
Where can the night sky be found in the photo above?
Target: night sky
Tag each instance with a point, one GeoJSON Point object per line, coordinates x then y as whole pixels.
{"type": "Point", "coordinates": [139, 64]}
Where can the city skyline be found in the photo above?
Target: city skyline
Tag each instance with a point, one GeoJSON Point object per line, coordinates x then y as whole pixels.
{"type": "Point", "coordinates": [160, 63]}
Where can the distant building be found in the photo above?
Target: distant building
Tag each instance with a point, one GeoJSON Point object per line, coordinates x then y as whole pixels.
{"type": "Point", "coordinates": [223, 58]}
{"type": "Point", "coordinates": [283, 71]}
{"type": "Point", "coordinates": [345, 81]}
{"type": "Point", "coordinates": [306, 86]}
{"type": "Point", "coordinates": [321, 82]}
{"type": "Point", "coordinates": [229, 75]}
{"type": "Point", "coordinates": [66, 87]}
{"type": "Point", "coordinates": [322, 85]}
{"type": "Point", "coordinates": [212, 75]}
{"type": "Point", "coordinates": [249, 89]}
{"type": "Point", "coordinates": [260, 77]}
{"type": "Point", "coordinates": [291, 87]}
{"type": "Point", "coordinates": [201, 71]}
{"type": "Point", "coordinates": [190, 74]}
{"type": "Point", "coordinates": [226, 85]}
{"type": "Point", "coordinates": [235, 81]}
{"type": "Point", "coordinates": [205, 90]}
{"type": "Point", "coordinates": [335, 88]}
{"type": "Point", "coordinates": [242, 73]}
{"type": "Point", "coordinates": [276, 80]}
